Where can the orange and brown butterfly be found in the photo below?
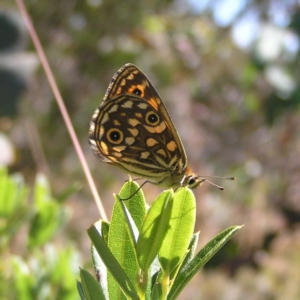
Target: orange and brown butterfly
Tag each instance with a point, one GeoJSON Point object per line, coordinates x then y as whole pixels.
{"type": "Point", "coordinates": [131, 129]}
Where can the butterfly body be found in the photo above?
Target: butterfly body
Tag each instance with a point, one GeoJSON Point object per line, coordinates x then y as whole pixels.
{"type": "Point", "coordinates": [132, 130]}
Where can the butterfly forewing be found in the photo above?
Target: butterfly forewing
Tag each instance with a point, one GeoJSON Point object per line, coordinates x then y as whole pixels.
{"type": "Point", "coordinates": [132, 129]}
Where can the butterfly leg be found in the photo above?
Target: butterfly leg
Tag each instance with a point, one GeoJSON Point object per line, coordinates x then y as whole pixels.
{"type": "Point", "coordinates": [125, 199]}
{"type": "Point", "coordinates": [134, 179]}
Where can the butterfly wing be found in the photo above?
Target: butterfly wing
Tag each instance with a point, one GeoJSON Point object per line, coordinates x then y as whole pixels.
{"type": "Point", "coordinates": [133, 130]}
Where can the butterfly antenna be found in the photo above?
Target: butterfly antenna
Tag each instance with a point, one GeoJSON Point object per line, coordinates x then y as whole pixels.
{"type": "Point", "coordinates": [218, 186]}
{"type": "Point", "coordinates": [219, 177]}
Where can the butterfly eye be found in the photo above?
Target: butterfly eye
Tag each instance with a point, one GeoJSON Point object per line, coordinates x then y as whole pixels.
{"type": "Point", "coordinates": [115, 136]}
{"type": "Point", "coordinates": [152, 118]}
{"type": "Point", "coordinates": [137, 92]}
{"type": "Point", "coordinates": [194, 181]}
{"type": "Point", "coordinates": [191, 181]}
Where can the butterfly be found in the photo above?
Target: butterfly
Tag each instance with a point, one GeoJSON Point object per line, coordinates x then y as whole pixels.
{"type": "Point", "coordinates": [132, 129]}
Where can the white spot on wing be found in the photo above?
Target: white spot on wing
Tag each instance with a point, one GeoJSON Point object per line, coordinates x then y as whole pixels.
{"type": "Point", "coordinates": [113, 108]}
{"type": "Point", "coordinates": [127, 104]}
{"type": "Point", "coordinates": [129, 140]}
{"type": "Point", "coordinates": [143, 105]}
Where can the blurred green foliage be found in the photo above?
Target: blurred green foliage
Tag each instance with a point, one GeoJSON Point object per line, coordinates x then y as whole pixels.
{"type": "Point", "coordinates": [32, 266]}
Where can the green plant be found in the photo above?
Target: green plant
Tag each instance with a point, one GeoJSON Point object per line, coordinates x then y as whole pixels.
{"type": "Point", "coordinates": [147, 254]}
{"type": "Point", "coordinates": [32, 265]}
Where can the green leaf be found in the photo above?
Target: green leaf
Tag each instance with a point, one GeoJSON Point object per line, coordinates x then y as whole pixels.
{"type": "Point", "coordinates": [157, 291]}
{"type": "Point", "coordinates": [49, 216]}
{"type": "Point", "coordinates": [192, 248]}
{"type": "Point", "coordinates": [14, 205]}
{"type": "Point", "coordinates": [204, 255]}
{"type": "Point", "coordinates": [12, 193]}
{"type": "Point", "coordinates": [23, 279]}
{"type": "Point", "coordinates": [134, 209]}
{"type": "Point", "coordinates": [189, 255]}
{"type": "Point", "coordinates": [80, 290]}
{"type": "Point", "coordinates": [180, 230]}
{"type": "Point", "coordinates": [99, 266]}
{"type": "Point", "coordinates": [123, 233]}
{"type": "Point", "coordinates": [91, 287]}
{"type": "Point", "coordinates": [112, 264]}
{"type": "Point", "coordinates": [154, 229]}
{"type": "Point", "coordinates": [136, 203]}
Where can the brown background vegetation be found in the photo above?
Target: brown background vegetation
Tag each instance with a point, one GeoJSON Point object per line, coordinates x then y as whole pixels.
{"type": "Point", "coordinates": [232, 118]}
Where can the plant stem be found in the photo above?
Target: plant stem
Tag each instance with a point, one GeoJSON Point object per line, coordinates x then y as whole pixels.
{"type": "Point", "coordinates": [165, 286]}
{"type": "Point", "coordinates": [142, 284]}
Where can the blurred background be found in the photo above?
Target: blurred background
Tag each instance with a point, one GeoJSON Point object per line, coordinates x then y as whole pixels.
{"type": "Point", "coordinates": [228, 71]}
